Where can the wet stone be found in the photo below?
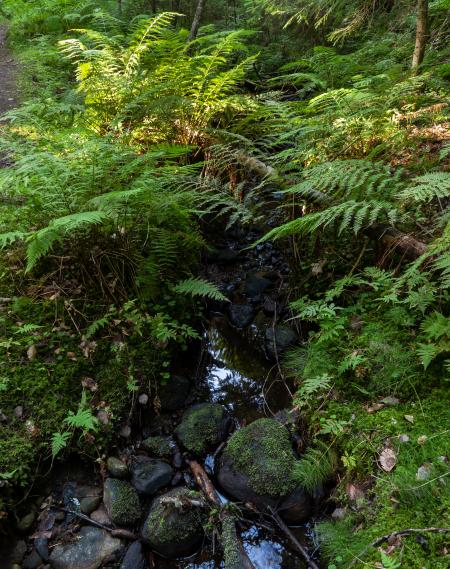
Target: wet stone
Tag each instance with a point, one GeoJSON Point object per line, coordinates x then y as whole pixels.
{"type": "Point", "coordinates": [100, 515]}
{"type": "Point", "coordinates": [257, 466]}
{"type": "Point", "coordinates": [91, 548]}
{"type": "Point", "coordinates": [19, 552]}
{"type": "Point", "coordinates": [134, 557]}
{"type": "Point", "coordinates": [158, 446]}
{"type": "Point", "coordinates": [117, 468]}
{"type": "Point", "coordinates": [255, 286]}
{"type": "Point", "coordinates": [241, 315]}
{"type": "Point", "coordinates": [202, 426]}
{"type": "Point", "coordinates": [174, 531]}
{"type": "Point", "coordinates": [121, 502]}
{"type": "Point", "coordinates": [279, 339]}
{"type": "Point", "coordinates": [89, 504]}
{"type": "Point", "coordinates": [32, 561]}
{"type": "Point", "coordinates": [148, 476]}
{"type": "Point", "coordinates": [25, 524]}
{"type": "Point", "coordinates": [41, 545]}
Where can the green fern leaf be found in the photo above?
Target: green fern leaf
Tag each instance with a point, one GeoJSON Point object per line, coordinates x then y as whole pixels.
{"type": "Point", "coordinates": [59, 442]}
{"type": "Point", "coordinates": [199, 287]}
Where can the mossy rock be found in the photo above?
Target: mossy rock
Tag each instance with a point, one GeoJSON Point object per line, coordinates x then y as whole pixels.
{"type": "Point", "coordinates": [121, 502]}
{"type": "Point", "coordinates": [174, 531]}
{"type": "Point", "coordinates": [257, 466]}
{"type": "Point", "coordinates": [158, 446]}
{"type": "Point", "coordinates": [203, 426]}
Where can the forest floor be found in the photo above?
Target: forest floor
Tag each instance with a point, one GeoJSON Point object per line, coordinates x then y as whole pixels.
{"type": "Point", "coordinates": [8, 71]}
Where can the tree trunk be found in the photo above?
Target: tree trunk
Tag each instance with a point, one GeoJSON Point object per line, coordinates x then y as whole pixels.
{"type": "Point", "coordinates": [197, 20]}
{"type": "Point", "coordinates": [421, 33]}
{"type": "Point", "coordinates": [154, 7]}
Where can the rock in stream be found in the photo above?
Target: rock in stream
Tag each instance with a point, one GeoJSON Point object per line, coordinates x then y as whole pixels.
{"type": "Point", "coordinates": [173, 528]}
{"type": "Point", "coordinates": [257, 466]}
{"type": "Point", "coordinates": [91, 548]}
{"type": "Point", "coordinates": [203, 425]}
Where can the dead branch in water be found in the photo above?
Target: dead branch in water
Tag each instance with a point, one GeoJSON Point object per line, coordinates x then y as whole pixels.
{"type": "Point", "coordinates": [298, 546]}
{"type": "Point", "coordinates": [228, 520]}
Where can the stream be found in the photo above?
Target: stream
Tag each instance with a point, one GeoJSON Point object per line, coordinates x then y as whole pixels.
{"type": "Point", "coordinates": [234, 368]}
{"type": "Point", "coordinates": [239, 377]}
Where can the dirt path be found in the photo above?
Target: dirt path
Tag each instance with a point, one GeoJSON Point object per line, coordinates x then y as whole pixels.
{"type": "Point", "coordinates": [8, 67]}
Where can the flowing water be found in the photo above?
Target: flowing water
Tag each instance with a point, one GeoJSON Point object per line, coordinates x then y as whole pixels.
{"type": "Point", "coordinates": [238, 376]}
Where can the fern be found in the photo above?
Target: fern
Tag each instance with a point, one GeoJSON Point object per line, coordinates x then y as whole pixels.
{"type": "Point", "coordinates": [389, 562]}
{"type": "Point", "coordinates": [315, 467]}
{"type": "Point", "coordinates": [199, 287]}
{"type": "Point", "coordinates": [41, 242]}
{"type": "Point", "coordinates": [59, 442]}
{"type": "Point", "coordinates": [83, 419]}
{"type": "Point", "coordinates": [349, 215]}
{"type": "Point", "coordinates": [428, 187]}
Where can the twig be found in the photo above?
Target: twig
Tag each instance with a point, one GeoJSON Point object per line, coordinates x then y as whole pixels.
{"type": "Point", "coordinates": [228, 521]}
{"type": "Point", "coordinates": [204, 482]}
{"type": "Point", "coordinates": [298, 546]}
{"type": "Point", "coordinates": [120, 533]}
{"type": "Point", "coordinates": [390, 536]}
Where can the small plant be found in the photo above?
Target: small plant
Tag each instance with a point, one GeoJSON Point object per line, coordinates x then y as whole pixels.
{"type": "Point", "coordinates": [82, 420]}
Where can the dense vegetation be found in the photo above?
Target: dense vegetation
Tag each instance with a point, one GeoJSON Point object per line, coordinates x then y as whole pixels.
{"type": "Point", "coordinates": [135, 131]}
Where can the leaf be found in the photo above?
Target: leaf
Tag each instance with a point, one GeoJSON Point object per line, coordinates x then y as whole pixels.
{"type": "Point", "coordinates": [409, 418]}
{"type": "Point", "coordinates": [199, 287]}
{"type": "Point", "coordinates": [374, 408]}
{"type": "Point", "coordinates": [388, 459]}
{"type": "Point", "coordinates": [59, 441]}
{"type": "Point", "coordinates": [390, 401]}
{"type": "Point", "coordinates": [83, 419]}
{"type": "Point", "coordinates": [32, 352]}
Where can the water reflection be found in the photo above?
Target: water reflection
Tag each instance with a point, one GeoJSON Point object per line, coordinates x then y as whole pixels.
{"type": "Point", "coordinates": [239, 376]}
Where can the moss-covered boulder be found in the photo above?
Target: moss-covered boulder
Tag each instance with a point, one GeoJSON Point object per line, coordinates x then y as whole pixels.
{"type": "Point", "coordinates": [173, 527]}
{"type": "Point", "coordinates": [121, 502]}
{"type": "Point", "coordinates": [162, 447]}
{"type": "Point", "coordinates": [203, 426]}
{"type": "Point", "coordinates": [257, 466]}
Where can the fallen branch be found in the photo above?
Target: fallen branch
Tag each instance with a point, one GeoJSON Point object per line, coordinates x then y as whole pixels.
{"type": "Point", "coordinates": [298, 546]}
{"type": "Point", "coordinates": [234, 552]}
{"type": "Point", "coordinates": [119, 533]}
{"type": "Point", "coordinates": [394, 534]}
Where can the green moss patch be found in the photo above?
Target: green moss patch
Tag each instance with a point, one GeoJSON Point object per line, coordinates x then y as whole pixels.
{"type": "Point", "coordinates": [202, 426]}
{"type": "Point", "coordinates": [263, 452]}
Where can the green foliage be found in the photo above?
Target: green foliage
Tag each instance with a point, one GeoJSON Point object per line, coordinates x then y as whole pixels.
{"type": "Point", "coordinates": [316, 466]}
{"type": "Point", "coordinates": [199, 287]}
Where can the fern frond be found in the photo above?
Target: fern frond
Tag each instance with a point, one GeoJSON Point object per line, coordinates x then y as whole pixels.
{"type": "Point", "coordinates": [199, 287]}
{"type": "Point", "coordinates": [59, 442]}
{"type": "Point", "coordinates": [315, 467]}
{"type": "Point", "coordinates": [42, 241]}
{"type": "Point", "coordinates": [428, 187]}
{"type": "Point", "coordinates": [351, 215]}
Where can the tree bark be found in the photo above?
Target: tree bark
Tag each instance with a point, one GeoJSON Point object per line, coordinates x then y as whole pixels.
{"type": "Point", "coordinates": [421, 33]}
{"type": "Point", "coordinates": [197, 20]}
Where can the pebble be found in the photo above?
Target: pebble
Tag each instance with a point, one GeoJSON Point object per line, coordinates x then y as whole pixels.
{"type": "Point", "coordinates": [32, 561]}
{"type": "Point", "coordinates": [117, 468]}
{"type": "Point", "coordinates": [89, 504]}
{"type": "Point", "coordinates": [134, 557]}
{"type": "Point", "coordinates": [41, 545]}
{"type": "Point", "coordinates": [24, 525]}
